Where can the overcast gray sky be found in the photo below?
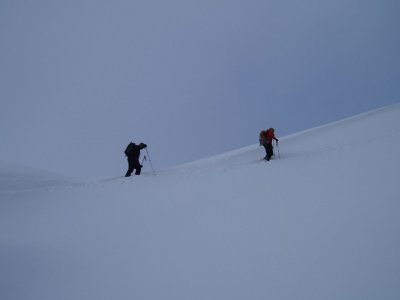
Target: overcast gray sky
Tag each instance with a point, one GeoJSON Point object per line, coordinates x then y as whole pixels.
{"type": "Point", "coordinates": [79, 79]}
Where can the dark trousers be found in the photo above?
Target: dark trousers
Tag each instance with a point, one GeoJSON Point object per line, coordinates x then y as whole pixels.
{"type": "Point", "coordinates": [133, 165]}
{"type": "Point", "coordinates": [269, 151]}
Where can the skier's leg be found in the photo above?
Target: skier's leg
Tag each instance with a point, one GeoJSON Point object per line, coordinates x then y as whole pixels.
{"type": "Point", "coordinates": [137, 166]}
{"type": "Point", "coordinates": [270, 151]}
{"type": "Point", "coordinates": [130, 168]}
{"type": "Point", "coordinates": [266, 151]}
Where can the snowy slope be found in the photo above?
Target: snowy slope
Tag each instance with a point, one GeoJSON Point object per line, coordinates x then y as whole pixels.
{"type": "Point", "coordinates": [322, 222]}
{"type": "Point", "coordinates": [17, 179]}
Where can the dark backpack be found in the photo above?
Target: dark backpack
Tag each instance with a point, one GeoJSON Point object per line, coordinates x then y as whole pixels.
{"type": "Point", "coordinates": [129, 149]}
{"type": "Point", "coordinates": [263, 137]}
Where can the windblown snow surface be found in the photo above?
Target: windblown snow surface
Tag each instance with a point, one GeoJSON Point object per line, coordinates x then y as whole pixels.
{"type": "Point", "coordinates": [321, 222]}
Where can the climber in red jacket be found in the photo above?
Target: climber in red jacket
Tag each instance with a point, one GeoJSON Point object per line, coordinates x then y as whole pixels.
{"type": "Point", "coordinates": [266, 137]}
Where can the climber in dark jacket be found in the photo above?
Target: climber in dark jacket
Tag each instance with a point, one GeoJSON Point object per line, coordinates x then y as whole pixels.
{"type": "Point", "coordinates": [132, 151]}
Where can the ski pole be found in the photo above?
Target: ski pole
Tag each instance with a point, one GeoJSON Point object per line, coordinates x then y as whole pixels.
{"type": "Point", "coordinates": [277, 146]}
{"type": "Point", "coordinates": [148, 155]}
{"type": "Point", "coordinates": [143, 160]}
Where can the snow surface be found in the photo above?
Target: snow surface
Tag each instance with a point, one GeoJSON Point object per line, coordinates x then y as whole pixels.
{"type": "Point", "coordinates": [321, 222]}
{"type": "Point", "coordinates": [18, 179]}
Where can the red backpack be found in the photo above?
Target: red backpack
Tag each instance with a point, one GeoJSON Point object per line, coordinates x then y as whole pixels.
{"type": "Point", "coordinates": [263, 137]}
